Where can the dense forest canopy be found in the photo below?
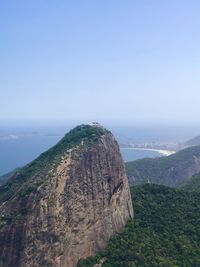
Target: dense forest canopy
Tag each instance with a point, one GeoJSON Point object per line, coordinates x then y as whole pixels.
{"type": "Point", "coordinates": [165, 231]}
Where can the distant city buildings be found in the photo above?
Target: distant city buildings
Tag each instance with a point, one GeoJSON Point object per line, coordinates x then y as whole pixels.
{"type": "Point", "coordinates": [153, 145]}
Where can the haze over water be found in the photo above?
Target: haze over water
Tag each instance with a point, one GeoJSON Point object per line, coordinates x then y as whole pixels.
{"type": "Point", "coordinates": [133, 66]}
{"type": "Point", "coordinates": [21, 143]}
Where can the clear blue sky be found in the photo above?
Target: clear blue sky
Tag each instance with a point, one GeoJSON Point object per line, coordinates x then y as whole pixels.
{"type": "Point", "coordinates": [101, 60]}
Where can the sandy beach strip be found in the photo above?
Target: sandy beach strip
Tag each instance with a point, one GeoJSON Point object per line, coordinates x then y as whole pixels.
{"type": "Point", "coordinates": [161, 151]}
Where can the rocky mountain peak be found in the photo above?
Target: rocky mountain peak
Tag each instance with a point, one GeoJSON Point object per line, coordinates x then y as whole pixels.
{"type": "Point", "coordinates": [67, 203]}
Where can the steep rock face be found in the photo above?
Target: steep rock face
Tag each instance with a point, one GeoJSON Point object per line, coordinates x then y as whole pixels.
{"type": "Point", "coordinates": [83, 200]}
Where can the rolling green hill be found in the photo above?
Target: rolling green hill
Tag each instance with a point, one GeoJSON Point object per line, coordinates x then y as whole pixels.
{"type": "Point", "coordinates": [192, 184]}
{"type": "Point", "coordinates": [164, 233]}
{"type": "Point", "coordinates": [169, 171]}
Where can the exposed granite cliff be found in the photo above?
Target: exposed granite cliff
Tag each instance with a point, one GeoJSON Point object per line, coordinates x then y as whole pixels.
{"type": "Point", "coordinates": [66, 204]}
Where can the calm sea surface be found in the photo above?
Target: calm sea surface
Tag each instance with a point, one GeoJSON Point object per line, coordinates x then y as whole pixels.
{"type": "Point", "coordinates": [132, 154]}
{"type": "Point", "coordinates": [21, 144]}
{"type": "Point", "coordinates": [16, 153]}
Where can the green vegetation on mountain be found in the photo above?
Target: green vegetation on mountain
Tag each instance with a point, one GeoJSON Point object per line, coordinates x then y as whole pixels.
{"type": "Point", "coordinates": [27, 179]}
{"type": "Point", "coordinates": [6, 176]}
{"type": "Point", "coordinates": [2, 179]}
{"type": "Point", "coordinates": [169, 171]}
{"type": "Point", "coordinates": [164, 233]}
{"type": "Point", "coordinates": [49, 216]}
{"type": "Point", "coordinates": [192, 184]}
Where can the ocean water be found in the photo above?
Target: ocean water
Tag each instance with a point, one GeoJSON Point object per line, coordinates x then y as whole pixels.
{"type": "Point", "coordinates": [17, 153]}
{"type": "Point", "coordinates": [20, 144]}
{"type": "Point", "coordinates": [133, 154]}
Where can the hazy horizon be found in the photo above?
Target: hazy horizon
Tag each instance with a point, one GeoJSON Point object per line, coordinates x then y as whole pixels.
{"type": "Point", "coordinates": [134, 68]}
{"type": "Point", "coordinates": [20, 143]}
{"type": "Point", "coordinates": [132, 132]}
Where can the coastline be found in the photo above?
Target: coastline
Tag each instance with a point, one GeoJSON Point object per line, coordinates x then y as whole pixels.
{"type": "Point", "coordinates": [160, 151]}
